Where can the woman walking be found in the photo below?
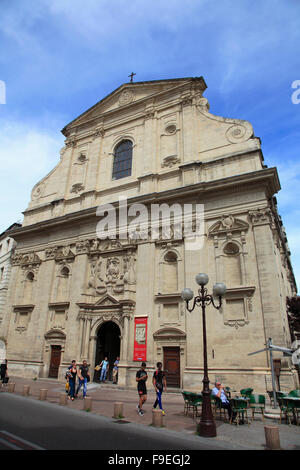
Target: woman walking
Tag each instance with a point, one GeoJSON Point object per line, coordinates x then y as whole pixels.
{"type": "Point", "coordinates": [72, 380]}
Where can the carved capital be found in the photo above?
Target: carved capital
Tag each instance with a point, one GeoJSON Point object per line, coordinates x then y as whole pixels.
{"type": "Point", "coordinates": [261, 216]}
{"type": "Point", "coordinates": [99, 132]}
{"type": "Point", "coordinates": [71, 142]}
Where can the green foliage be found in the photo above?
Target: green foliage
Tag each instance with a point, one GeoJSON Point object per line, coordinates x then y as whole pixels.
{"type": "Point", "coordinates": [293, 313]}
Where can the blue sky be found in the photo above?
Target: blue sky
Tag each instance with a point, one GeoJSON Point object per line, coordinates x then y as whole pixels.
{"type": "Point", "coordinates": [59, 57]}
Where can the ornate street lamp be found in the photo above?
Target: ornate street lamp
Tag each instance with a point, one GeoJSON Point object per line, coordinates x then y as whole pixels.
{"type": "Point", "coordinates": [207, 425]}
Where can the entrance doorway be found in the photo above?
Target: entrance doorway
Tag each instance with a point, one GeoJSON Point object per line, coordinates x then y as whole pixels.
{"type": "Point", "coordinates": [172, 366]}
{"type": "Point", "coordinates": [108, 344]}
{"type": "Point", "coordinates": [54, 361]}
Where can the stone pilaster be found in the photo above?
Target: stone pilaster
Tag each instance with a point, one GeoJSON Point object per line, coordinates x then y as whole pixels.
{"type": "Point", "coordinates": [268, 275]}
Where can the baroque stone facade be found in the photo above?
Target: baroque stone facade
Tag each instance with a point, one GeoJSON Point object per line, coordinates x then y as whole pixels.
{"type": "Point", "coordinates": [74, 296]}
{"type": "Point", "coordinates": [7, 246]}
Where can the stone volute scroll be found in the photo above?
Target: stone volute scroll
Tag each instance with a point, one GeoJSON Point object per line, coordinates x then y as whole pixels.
{"type": "Point", "coordinates": [235, 130]}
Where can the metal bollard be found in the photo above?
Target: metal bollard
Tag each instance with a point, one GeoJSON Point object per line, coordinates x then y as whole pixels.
{"type": "Point", "coordinates": [272, 437]}
{"type": "Point", "coordinates": [63, 399]}
{"type": "Point", "coordinates": [26, 390]}
{"type": "Point", "coordinates": [11, 387]}
{"type": "Point", "coordinates": [87, 403]}
{"type": "Point", "coordinates": [43, 393]}
{"type": "Point", "coordinates": [157, 418]}
{"type": "Point", "coordinates": [118, 409]}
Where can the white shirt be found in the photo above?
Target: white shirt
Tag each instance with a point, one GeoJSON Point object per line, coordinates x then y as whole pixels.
{"type": "Point", "coordinates": [223, 396]}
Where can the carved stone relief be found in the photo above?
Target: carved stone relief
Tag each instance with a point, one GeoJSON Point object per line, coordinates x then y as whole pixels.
{"type": "Point", "coordinates": [111, 274]}
{"type": "Point", "coordinates": [126, 97]}
{"type": "Point", "coordinates": [61, 254]}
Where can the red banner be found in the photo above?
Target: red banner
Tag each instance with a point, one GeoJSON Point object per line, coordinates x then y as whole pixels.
{"type": "Point", "coordinates": [140, 339]}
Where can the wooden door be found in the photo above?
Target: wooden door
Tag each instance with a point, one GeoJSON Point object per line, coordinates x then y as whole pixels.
{"type": "Point", "coordinates": [54, 361]}
{"type": "Point", "coordinates": [172, 366]}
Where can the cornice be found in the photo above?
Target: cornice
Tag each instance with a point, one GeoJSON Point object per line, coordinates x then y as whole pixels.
{"type": "Point", "coordinates": [267, 177]}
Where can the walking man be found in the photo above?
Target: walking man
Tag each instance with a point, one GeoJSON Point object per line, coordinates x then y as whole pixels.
{"type": "Point", "coordinates": [84, 378]}
{"type": "Point", "coordinates": [159, 382]}
{"type": "Point", "coordinates": [141, 378]}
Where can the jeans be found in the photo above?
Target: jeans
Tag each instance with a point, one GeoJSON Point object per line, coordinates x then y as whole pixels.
{"type": "Point", "coordinates": [103, 374]}
{"type": "Point", "coordinates": [72, 388]}
{"type": "Point", "coordinates": [158, 400]}
{"type": "Point", "coordinates": [84, 383]}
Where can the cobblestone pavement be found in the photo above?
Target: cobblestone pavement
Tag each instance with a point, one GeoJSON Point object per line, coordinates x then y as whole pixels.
{"type": "Point", "coordinates": [104, 396]}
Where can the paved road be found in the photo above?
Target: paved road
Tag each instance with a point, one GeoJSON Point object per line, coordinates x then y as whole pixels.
{"type": "Point", "coordinates": [54, 427]}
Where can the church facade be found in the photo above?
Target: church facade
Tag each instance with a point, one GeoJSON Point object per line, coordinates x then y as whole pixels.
{"type": "Point", "coordinates": [74, 295]}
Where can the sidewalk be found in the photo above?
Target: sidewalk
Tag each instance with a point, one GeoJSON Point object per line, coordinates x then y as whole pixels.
{"type": "Point", "coordinates": [104, 395]}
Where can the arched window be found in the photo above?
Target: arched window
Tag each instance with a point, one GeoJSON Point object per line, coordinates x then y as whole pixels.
{"type": "Point", "coordinates": [122, 160]}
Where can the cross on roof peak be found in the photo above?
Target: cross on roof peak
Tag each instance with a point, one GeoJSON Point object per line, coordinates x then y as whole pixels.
{"type": "Point", "coordinates": [131, 76]}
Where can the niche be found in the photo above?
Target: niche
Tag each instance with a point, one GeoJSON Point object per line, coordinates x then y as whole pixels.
{"type": "Point", "coordinates": [170, 273]}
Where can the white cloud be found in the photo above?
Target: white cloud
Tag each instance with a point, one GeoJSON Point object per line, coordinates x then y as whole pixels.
{"type": "Point", "coordinates": [27, 154]}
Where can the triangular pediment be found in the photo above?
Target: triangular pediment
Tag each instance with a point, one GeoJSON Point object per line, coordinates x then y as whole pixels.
{"type": "Point", "coordinates": [127, 94]}
{"type": "Point", "coordinates": [106, 300]}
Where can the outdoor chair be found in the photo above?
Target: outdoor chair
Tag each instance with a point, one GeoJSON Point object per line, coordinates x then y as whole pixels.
{"type": "Point", "coordinates": [297, 411]}
{"type": "Point", "coordinates": [187, 402]}
{"type": "Point", "coordinates": [257, 404]}
{"type": "Point", "coordinates": [196, 401]}
{"type": "Point", "coordinates": [246, 392]}
{"type": "Point", "coordinates": [213, 403]}
{"type": "Point", "coordinates": [271, 396]}
{"type": "Point", "coordinates": [294, 393]}
{"type": "Point", "coordinates": [286, 409]}
{"type": "Point", "coordinates": [239, 407]}
{"type": "Point", "coordinates": [218, 407]}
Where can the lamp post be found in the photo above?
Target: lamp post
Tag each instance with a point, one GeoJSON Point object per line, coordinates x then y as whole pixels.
{"type": "Point", "coordinates": [207, 426]}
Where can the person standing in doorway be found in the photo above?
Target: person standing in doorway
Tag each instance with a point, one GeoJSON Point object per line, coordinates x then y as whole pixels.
{"type": "Point", "coordinates": [141, 378]}
{"type": "Point", "coordinates": [159, 383]}
{"type": "Point", "coordinates": [104, 369]}
{"type": "Point", "coordinates": [84, 378]}
{"type": "Point", "coordinates": [116, 370]}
